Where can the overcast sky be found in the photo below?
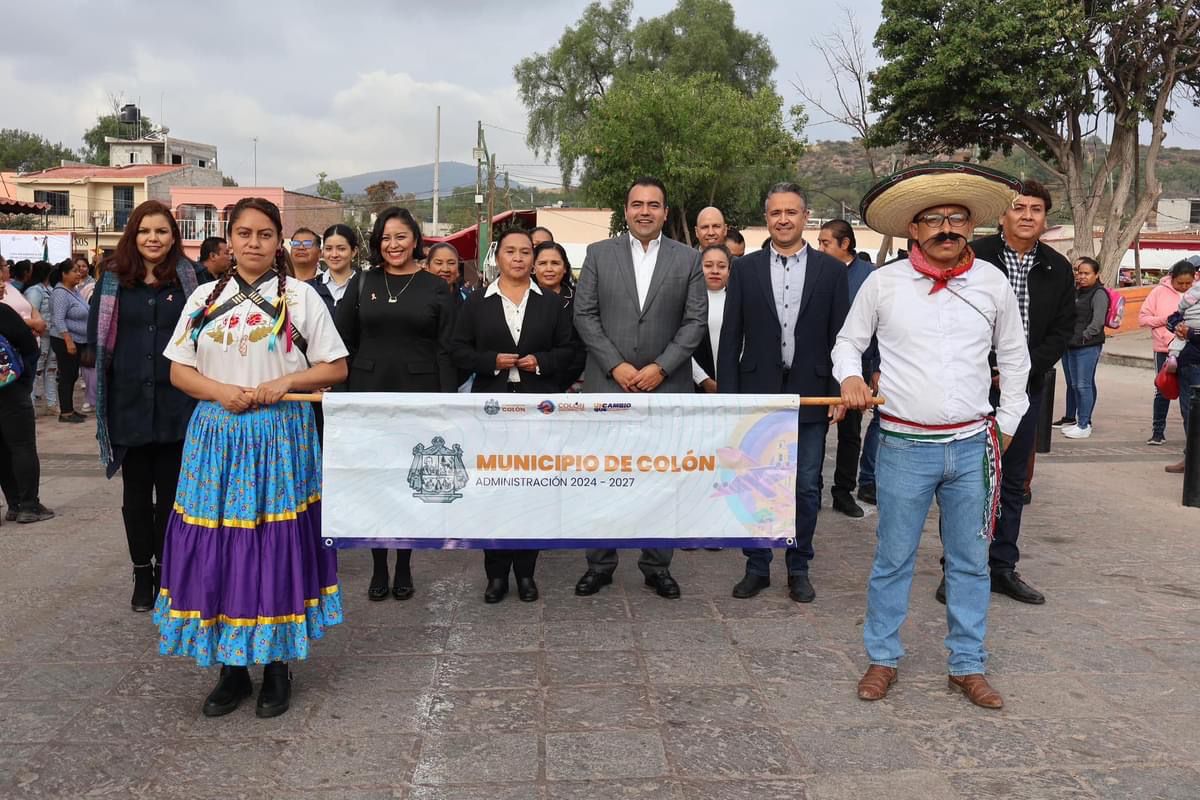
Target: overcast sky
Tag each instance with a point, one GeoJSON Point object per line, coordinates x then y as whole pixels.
{"type": "Point", "coordinates": [342, 87]}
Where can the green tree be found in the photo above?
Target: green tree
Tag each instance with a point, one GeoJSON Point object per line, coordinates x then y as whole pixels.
{"type": "Point", "coordinates": [95, 149]}
{"type": "Point", "coordinates": [561, 86]}
{"type": "Point", "coordinates": [329, 189]}
{"type": "Point", "coordinates": [708, 142]}
{"type": "Point", "coordinates": [29, 152]}
{"type": "Point", "coordinates": [228, 181]}
{"type": "Point", "coordinates": [1065, 70]}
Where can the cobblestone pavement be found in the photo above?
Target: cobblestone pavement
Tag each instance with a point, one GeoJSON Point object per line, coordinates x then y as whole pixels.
{"type": "Point", "coordinates": [625, 695]}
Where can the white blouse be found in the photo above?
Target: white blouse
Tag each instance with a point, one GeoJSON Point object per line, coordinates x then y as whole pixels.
{"type": "Point", "coordinates": [234, 347]}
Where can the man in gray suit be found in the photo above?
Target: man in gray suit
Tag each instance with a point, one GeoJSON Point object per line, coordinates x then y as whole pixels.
{"type": "Point", "coordinates": [641, 309]}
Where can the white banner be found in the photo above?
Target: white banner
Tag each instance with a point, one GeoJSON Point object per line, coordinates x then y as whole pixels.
{"type": "Point", "coordinates": [579, 470]}
{"type": "Point", "coordinates": [35, 246]}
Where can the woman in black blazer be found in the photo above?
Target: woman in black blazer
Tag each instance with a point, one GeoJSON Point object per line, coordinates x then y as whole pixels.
{"type": "Point", "coordinates": [552, 271]}
{"type": "Point", "coordinates": [396, 320]}
{"type": "Point", "coordinates": [516, 339]}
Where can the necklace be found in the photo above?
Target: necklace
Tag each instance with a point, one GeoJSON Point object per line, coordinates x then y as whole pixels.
{"type": "Point", "coordinates": [387, 287]}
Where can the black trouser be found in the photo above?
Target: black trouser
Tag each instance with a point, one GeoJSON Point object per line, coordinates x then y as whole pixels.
{"type": "Point", "coordinates": [1004, 553]}
{"type": "Point", "coordinates": [496, 563]}
{"type": "Point", "coordinates": [403, 560]}
{"type": "Point", "coordinates": [849, 445]}
{"type": "Point", "coordinates": [20, 470]}
{"type": "Point", "coordinates": [149, 475]}
{"type": "Point", "coordinates": [68, 373]}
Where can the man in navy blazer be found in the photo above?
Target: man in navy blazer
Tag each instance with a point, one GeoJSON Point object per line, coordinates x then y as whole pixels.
{"type": "Point", "coordinates": [784, 307]}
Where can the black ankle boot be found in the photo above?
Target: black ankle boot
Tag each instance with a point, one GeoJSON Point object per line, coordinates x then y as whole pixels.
{"type": "Point", "coordinates": [232, 687]}
{"type": "Point", "coordinates": [276, 692]}
{"type": "Point", "coordinates": [143, 588]}
{"type": "Point", "coordinates": [378, 590]}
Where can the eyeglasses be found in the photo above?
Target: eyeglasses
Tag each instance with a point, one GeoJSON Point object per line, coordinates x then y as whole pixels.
{"type": "Point", "coordinates": [303, 242]}
{"type": "Point", "coordinates": [934, 220]}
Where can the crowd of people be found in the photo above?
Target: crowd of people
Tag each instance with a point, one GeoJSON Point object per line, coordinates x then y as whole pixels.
{"type": "Point", "coordinates": [221, 499]}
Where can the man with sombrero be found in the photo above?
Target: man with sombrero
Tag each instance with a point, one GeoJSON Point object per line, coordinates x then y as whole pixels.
{"type": "Point", "coordinates": [937, 316]}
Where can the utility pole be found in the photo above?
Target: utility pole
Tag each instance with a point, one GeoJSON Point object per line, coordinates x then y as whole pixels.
{"type": "Point", "coordinates": [491, 198]}
{"type": "Point", "coordinates": [437, 165]}
{"type": "Point", "coordinates": [483, 214]}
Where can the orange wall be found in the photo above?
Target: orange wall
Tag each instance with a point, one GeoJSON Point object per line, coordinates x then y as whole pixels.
{"type": "Point", "coordinates": [1134, 297]}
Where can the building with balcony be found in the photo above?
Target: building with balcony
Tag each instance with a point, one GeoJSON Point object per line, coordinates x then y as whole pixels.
{"type": "Point", "coordinates": [202, 211]}
{"type": "Point", "coordinates": [94, 202]}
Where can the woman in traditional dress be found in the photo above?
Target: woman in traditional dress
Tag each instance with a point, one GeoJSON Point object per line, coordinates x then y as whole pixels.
{"type": "Point", "coordinates": [141, 419]}
{"type": "Point", "coordinates": [245, 577]}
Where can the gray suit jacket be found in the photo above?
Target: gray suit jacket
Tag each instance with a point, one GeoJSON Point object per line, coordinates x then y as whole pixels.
{"type": "Point", "coordinates": [612, 327]}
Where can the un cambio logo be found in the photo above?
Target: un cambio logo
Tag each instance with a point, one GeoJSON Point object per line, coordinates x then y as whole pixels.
{"type": "Point", "coordinates": [546, 407]}
{"type": "Point", "coordinates": [491, 408]}
{"type": "Point", "coordinates": [437, 472]}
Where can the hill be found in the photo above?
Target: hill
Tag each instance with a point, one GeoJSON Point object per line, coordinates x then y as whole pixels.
{"type": "Point", "coordinates": [416, 180]}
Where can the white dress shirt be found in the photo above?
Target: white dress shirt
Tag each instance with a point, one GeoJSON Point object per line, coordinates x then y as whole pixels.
{"type": "Point", "coordinates": [514, 317]}
{"type": "Point", "coordinates": [337, 290]}
{"type": "Point", "coordinates": [716, 315]}
{"type": "Point", "coordinates": [644, 261]}
{"type": "Point", "coordinates": [934, 347]}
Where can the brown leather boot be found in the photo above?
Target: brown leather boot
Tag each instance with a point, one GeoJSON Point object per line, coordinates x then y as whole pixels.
{"type": "Point", "coordinates": [977, 690]}
{"type": "Point", "coordinates": [1174, 469]}
{"type": "Point", "coordinates": [875, 683]}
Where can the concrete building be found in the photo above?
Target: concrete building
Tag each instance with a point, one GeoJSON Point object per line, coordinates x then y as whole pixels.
{"type": "Point", "coordinates": [1176, 213]}
{"type": "Point", "coordinates": [202, 211]}
{"type": "Point", "coordinates": [160, 148]}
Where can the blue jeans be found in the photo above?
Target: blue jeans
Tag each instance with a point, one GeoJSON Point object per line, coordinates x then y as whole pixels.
{"type": "Point", "coordinates": [1072, 405]}
{"type": "Point", "coordinates": [911, 474]}
{"type": "Point", "coordinates": [1162, 406]}
{"type": "Point", "coordinates": [1080, 367]}
{"type": "Point", "coordinates": [866, 464]}
{"type": "Point", "coordinates": [810, 457]}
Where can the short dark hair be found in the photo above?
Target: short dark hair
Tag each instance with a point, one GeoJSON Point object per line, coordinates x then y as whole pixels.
{"type": "Point", "coordinates": [841, 229]}
{"type": "Point", "coordinates": [647, 180]}
{"type": "Point", "coordinates": [1035, 188]}
{"type": "Point", "coordinates": [210, 247]}
{"type": "Point", "coordinates": [734, 235]}
{"type": "Point", "coordinates": [375, 243]}
{"type": "Point", "coordinates": [543, 229]}
{"type": "Point", "coordinates": [40, 271]}
{"type": "Point", "coordinates": [316, 236]}
{"type": "Point", "coordinates": [1183, 267]}
{"type": "Point", "coordinates": [719, 247]}
{"type": "Point", "coordinates": [343, 230]}
{"type": "Point", "coordinates": [504, 234]}
{"type": "Point", "coordinates": [20, 270]}
{"type": "Point", "coordinates": [786, 187]}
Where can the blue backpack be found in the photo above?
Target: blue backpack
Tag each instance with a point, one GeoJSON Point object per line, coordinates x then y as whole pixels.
{"type": "Point", "coordinates": [11, 365]}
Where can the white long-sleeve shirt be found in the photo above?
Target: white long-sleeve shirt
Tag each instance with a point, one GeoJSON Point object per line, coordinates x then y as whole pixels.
{"type": "Point", "coordinates": [934, 347]}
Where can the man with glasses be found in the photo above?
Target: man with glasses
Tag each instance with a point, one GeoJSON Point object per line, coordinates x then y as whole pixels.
{"type": "Point", "coordinates": [936, 315]}
{"type": "Point", "coordinates": [215, 260]}
{"type": "Point", "coordinates": [306, 253]}
{"type": "Point", "coordinates": [1042, 280]}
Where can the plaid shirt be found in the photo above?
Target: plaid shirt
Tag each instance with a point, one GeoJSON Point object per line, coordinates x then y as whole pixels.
{"type": "Point", "coordinates": [1018, 268]}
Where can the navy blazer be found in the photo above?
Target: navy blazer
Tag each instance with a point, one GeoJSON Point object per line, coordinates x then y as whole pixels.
{"type": "Point", "coordinates": [749, 358]}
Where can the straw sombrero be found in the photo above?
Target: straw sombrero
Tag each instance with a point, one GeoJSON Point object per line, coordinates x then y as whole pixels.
{"type": "Point", "coordinates": [891, 204]}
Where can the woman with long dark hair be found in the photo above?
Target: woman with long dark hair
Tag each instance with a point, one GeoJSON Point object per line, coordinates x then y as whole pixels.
{"type": "Point", "coordinates": [245, 577]}
{"type": "Point", "coordinates": [141, 418]}
{"type": "Point", "coordinates": [1083, 349]}
{"type": "Point", "coordinates": [396, 321]}
{"type": "Point", "coordinates": [516, 338]}
{"type": "Point", "coordinates": [45, 381]}
{"type": "Point", "coordinates": [339, 250]}
{"type": "Point", "coordinates": [552, 271]}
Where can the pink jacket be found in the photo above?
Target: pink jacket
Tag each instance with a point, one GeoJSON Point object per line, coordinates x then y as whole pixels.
{"type": "Point", "coordinates": [1162, 302]}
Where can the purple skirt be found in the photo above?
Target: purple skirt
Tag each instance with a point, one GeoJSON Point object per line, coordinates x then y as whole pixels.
{"type": "Point", "coordinates": [246, 579]}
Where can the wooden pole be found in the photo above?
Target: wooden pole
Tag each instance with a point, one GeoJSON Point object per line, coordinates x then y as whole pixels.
{"type": "Point", "coordinates": [315, 397]}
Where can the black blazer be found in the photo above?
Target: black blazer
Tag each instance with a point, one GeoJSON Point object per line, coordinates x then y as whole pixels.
{"type": "Point", "coordinates": [749, 358]}
{"type": "Point", "coordinates": [704, 357]}
{"type": "Point", "coordinates": [402, 346]}
{"type": "Point", "coordinates": [1051, 303]}
{"type": "Point", "coordinates": [481, 332]}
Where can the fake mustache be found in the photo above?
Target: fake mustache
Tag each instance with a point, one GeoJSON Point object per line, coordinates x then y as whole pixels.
{"type": "Point", "coordinates": [946, 236]}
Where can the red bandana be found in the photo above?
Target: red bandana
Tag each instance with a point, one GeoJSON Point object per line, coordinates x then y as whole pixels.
{"type": "Point", "coordinates": [941, 277]}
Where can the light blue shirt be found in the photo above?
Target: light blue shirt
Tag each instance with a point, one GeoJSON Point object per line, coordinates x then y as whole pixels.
{"type": "Point", "coordinates": [787, 285]}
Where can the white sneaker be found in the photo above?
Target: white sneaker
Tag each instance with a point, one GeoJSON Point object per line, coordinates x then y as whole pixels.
{"type": "Point", "coordinates": [86, 407]}
{"type": "Point", "coordinates": [1072, 427]}
{"type": "Point", "coordinates": [1076, 432]}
